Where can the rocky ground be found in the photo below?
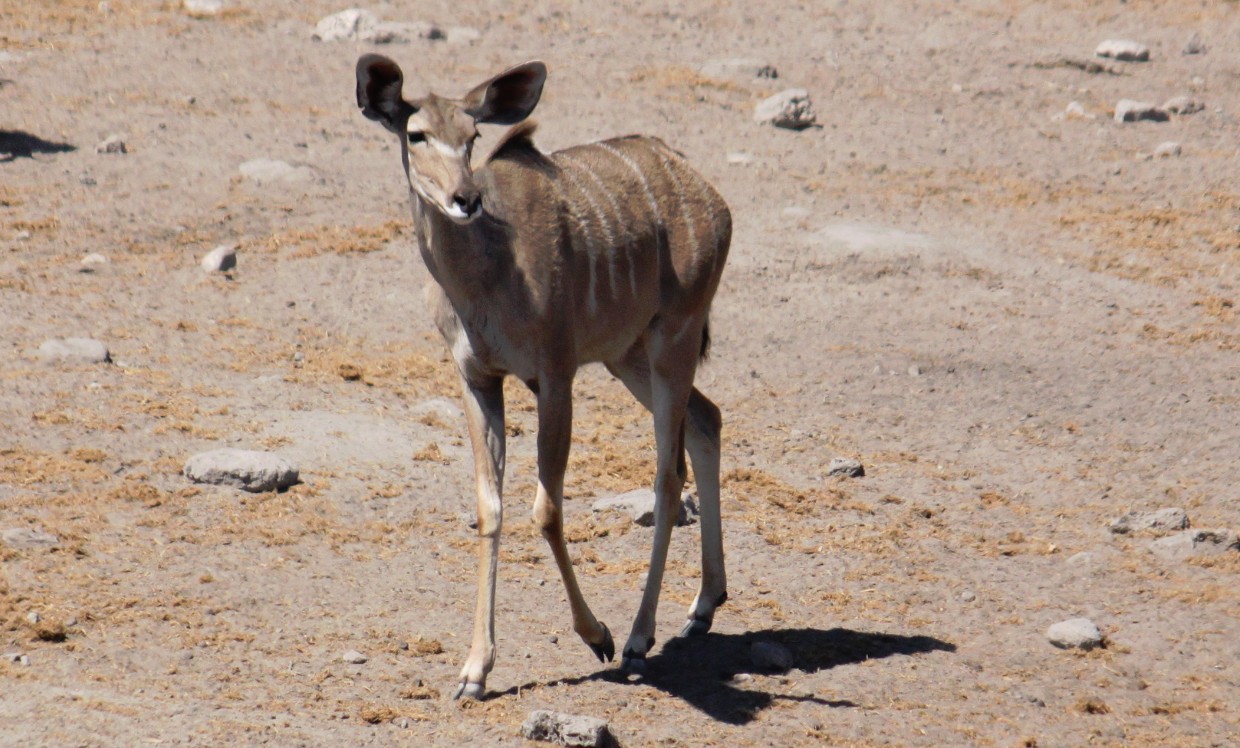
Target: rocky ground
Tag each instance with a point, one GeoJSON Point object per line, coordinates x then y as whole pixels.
{"type": "Point", "coordinates": [1015, 311]}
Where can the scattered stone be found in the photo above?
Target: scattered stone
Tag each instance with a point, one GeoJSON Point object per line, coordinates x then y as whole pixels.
{"type": "Point", "coordinates": [1167, 149]}
{"type": "Point", "coordinates": [790, 109]}
{"type": "Point", "coordinates": [567, 729]}
{"type": "Point", "coordinates": [22, 236]}
{"type": "Point", "coordinates": [1128, 110]}
{"type": "Point", "coordinates": [1196, 544]}
{"type": "Point", "coordinates": [770, 656]}
{"type": "Point", "coordinates": [1075, 110]}
{"type": "Point", "coordinates": [353, 657]}
{"type": "Point", "coordinates": [349, 24]}
{"type": "Point", "coordinates": [1183, 105]}
{"type": "Point", "coordinates": [739, 158]}
{"type": "Point", "coordinates": [1123, 50]}
{"type": "Point", "coordinates": [17, 658]}
{"type": "Point", "coordinates": [203, 8]}
{"type": "Point", "coordinates": [968, 596]}
{"type": "Point", "coordinates": [266, 171]}
{"type": "Point", "coordinates": [738, 68]}
{"type": "Point", "coordinates": [112, 144]}
{"type": "Point", "coordinates": [1076, 633]}
{"type": "Point", "coordinates": [1161, 520]}
{"type": "Point", "coordinates": [24, 538]}
{"type": "Point", "coordinates": [461, 35]}
{"type": "Point", "coordinates": [221, 259]}
{"type": "Point", "coordinates": [356, 24]}
{"type": "Point", "coordinates": [639, 504]}
{"type": "Point", "coordinates": [245, 469]}
{"type": "Point", "coordinates": [1093, 67]}
{"type": "Point", "coordinates": [1194, 45]}
{"type": "Point", "coordinates": [33, 617]}
{"type": "Point", "coordinates": [92, 262]}
{"type": "Point", "coordinates": [75, 350]}
{"type": "Point", "coordinates": [845, 467]}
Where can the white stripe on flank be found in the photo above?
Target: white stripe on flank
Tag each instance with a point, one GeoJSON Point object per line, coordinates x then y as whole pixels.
{"type": "Point", "coordinates": [610, 236]}
{"type": "Point", "coordinates": [585, 232]}
{"type": "Point", "coordinates": [680, 199]}
{"type": "Point", "coordinates": [650, 198]}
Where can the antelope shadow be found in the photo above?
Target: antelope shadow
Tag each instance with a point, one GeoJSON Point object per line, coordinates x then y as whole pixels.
{"type": "Point", "coordinates": [701, 670]}
{"type": "Point", "coordinates": [15, 144]}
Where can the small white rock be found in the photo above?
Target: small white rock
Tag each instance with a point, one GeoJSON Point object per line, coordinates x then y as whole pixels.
{"type": "Point", "coordinates": [33, 617]}
{"type": "Point", "coordinates": [790, 109]}
{"type": "Point", "coordinates": [245, 469]}
{"type": "Point", "coordinates": [203, 8]}
{"type": "Point", "coordinates": [348, 24]}
{"type": "Point", "coordinates": [1196, 544]}
{"type": "Point", "coordinates": [1163, 520]}
{"type": "Point", "coordinates": [1124, 50]}
{"type": "Point", "coordinates": [353, 657]}
{"type": "Point", "coordinates": [1128, 110]}
{"type": "Point", "coordinates": [1183, 105]}
{"type": "Point", "coordinates": [75, 350]}
{"type": "Point", "coordinates": [639, 504]}
{"type": "Point", "coordinates": [266, 171]}
{"type": "Point", "coordinates": [1194, 45]}
{"type": "Point", "coordinates": [739, 158]}
{"type": "Point", "coordinates": [1075, 110]}
{"type": "Point", "coordinates": [567, 729]}
{"type": "Point", "coordinates": [221, 259]}
{"type": "Point", "coordinates": [1075, 633]}
{"type": "Point", "coordinates": [112, 144]}
{"type": "Point", "coordinates": [1167, 149]}
{"type": "Point", "coordinates": [92, 262]}
{"type": "Point", "coordinates": [845, 467]}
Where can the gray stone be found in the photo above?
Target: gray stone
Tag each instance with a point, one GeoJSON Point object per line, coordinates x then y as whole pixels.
{"type": "Point", "coordinates": [1128, 110]}
{"type": "Point", "coordinates": [25, 538]}
{"type": "Point", "coordinates": [1194, 46]}
{"type": "Point", "coordinates": [1161, 520]}
{"type": "Point", "coordinates": [267, 171]}
{"type": "Point", "coordinates": [846, 467]}
{"type": "Point", "coordinates": [1183, 105]}
{"type": "Point", "coordinates": [968, 596]}
{"type": "Point", "coordinates": [245, 469]}
{"type": "Point", "coordinates": [1075, 633]}
{"type": "Point", "coordinates": [790, 109]}
{"type": "Point", "coordinates": [738, 67]}
{"type": "Point", "coordinates": [221, 259]}
{"type": "Point", "coordinates": [567, 729]}
{"type": "Point", "coordinates": [353, 657]}
{"type": "Point", "coordinates": [770, 656]}
{"type": "Point", "coordinates": [1196, 544]}
{"type": "Point", "coordinates": [349, 24]}
{"type": "Point", "coordinates": [639, 504]}
{"type": "Point", "coordinates": [1124, 50]}
{"type": "Point", "coordinates": [75, 350]}
{"type": "Point", "coordinates": [112, 144]}
{"type": "Point", "coordinates": [92, 262]}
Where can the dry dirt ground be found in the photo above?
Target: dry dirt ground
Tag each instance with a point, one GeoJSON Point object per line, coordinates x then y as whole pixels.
{"type": "Point", "coordinates": [1021, 326]}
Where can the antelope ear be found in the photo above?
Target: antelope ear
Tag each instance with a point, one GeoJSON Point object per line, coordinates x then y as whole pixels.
{"type": "Point", "coordinates": [509, 97]}
{"type": "Point", "coordinates": [379, 83]}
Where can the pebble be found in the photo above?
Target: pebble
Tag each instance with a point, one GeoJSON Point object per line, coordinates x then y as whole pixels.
{"type": "Point", "coordinates": [92, 262]}
{"type": "Point", "coordinates": [245, 469]}
{"type": "Point", "coordinates": [1128, 110]}
{"type": "Point", "coordinates": [1194, 46]}
{"type": "Point", "coordinates": [266, 171]}
{"type": "Point", "coordinates": [639, 504]}
{"type": "Point", "coordinates": [17, 658]}
{"type": "Point", "coordinates": [203, 8]}
{"type": "Point", "coordinates": [567, 729]}
{"type": "Point", "coordinates": [221, 259]}
{"type": "Point", "coordinates": [1167, 149]}
{"type": "Point", "coordinates": [739, 158]}
{"type": "Point", "coordinates": [770, 656]}
{"type": "Point", "coordinates": [1196, 544]}
{"type": "Point", "coordinates": [968, 596]}
{"type": "Point", "coordinates": [845, 467]}
{"type": "Point", "coordinates": [1075, 633]}
{"type": "Point", "coordinates": [1183, 105]}
{"type": "Point", "coordinates": [738, 67]}
{"type": "Point", "coordinates": [348, 24]}
{"type": "Point", "coordinates": [357, 24]}
{"type": "Point", "coordinates": [112, 144]}
{"type": "Point", "coordinates": [25, 538]}
{"type": "Point", "coordinates": [33, 617]}
{"type": "Point", "coordinates": [1160, 520]}
{"type": "Point", "coordinates": [353, 657]}
{"type": "Point", "coordinates": [790, 109]}
{"type": "Point", "coordinates": [75, 350]}
{"type": "Point", "coordinates": [1075, 110]}
{"type": "Point", "coordinates": [1124, 50]}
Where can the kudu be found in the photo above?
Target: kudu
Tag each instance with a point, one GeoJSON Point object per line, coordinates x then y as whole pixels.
{"type": "Point", "coordinates": [608, 252]}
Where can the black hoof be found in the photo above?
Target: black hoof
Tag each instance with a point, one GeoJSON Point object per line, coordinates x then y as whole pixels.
{"type": "Point", "coordinates": [695, 627]}
{"type": "Point", "coordinates": [633, 664]}
{"type": "Point", "coordinates": [605, 650]}
{"type": "Point", "coordinates": [469, 691]}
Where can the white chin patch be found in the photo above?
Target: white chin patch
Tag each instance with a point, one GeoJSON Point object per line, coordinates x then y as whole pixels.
{"type": "Point", "coordinates": [460, 216]}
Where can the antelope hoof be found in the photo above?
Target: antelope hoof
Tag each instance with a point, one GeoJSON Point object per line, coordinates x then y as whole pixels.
{"type": "Point", "coordinates": [695, 627]}
{"type": "Point", "coordinates": [606, 649]}
{"type": "Point", "coordinates": [633, 663]}
{"type": "Point", "coordinates": [469, 691]}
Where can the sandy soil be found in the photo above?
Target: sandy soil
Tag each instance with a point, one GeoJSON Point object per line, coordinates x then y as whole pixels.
{"type": "Point", "coordinates": [1020, 325]}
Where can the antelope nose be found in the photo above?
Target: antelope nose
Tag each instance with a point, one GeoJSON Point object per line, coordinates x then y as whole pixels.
{"type": "Point", "coordinates": [468, 203]}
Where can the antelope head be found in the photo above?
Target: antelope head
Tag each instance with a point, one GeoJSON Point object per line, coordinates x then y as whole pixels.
{"type": "Point", "coordinates": [437, 134]}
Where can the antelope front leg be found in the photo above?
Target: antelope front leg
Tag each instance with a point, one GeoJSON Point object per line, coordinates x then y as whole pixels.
{"type": "Point", "coordinates": [555, 418]}
{"type": "Point", "coordinates": [484, 411]}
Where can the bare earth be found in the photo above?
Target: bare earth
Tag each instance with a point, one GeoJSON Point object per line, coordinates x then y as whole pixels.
{"type": "Point", "coordinates": [1022, 327]}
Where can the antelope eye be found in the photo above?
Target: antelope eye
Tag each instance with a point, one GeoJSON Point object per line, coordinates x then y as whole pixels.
{"type": "Point", "coordinates": [417, 137]}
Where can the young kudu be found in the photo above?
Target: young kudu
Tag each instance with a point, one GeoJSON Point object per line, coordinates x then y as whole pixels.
{"type": "Point", "coordinates": [609, 252]}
